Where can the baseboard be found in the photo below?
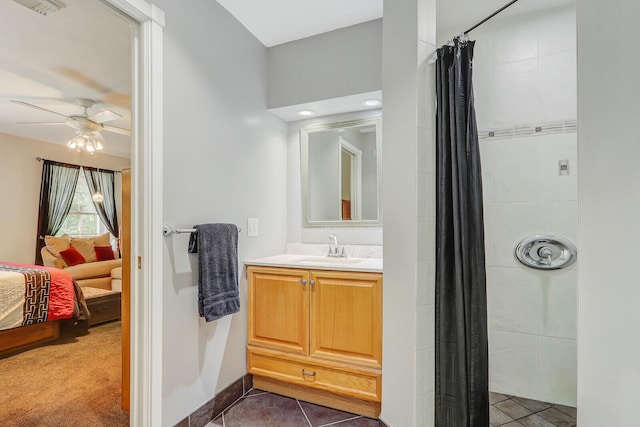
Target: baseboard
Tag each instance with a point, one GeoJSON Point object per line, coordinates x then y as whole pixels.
{"type": "Point", "coordinates": [221, 401]}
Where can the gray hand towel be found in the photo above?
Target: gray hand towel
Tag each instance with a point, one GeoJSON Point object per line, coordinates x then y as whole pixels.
{"type": "Point", "coordinates": [217, 249]}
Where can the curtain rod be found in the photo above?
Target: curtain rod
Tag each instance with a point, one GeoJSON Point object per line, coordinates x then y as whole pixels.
{"type": "Point", "coordinates": [490, 16]}
{"type": "Point", "coordinates": [40, 159]}
{"type": "Point", "coordinates": [432, 58]}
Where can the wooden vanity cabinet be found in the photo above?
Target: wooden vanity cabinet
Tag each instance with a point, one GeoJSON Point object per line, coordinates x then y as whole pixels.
{"type": "Point", "coordinates": [317, 335]}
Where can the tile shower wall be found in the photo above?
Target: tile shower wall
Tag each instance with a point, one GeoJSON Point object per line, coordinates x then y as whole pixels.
{"type": "Point", "coordinates": [525, 74]}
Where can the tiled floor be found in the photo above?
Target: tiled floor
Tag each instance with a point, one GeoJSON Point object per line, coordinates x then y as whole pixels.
{"type": "Point", "coordinates": [510, 411]}
{"type": "Point", "coordinates": [260, 408]}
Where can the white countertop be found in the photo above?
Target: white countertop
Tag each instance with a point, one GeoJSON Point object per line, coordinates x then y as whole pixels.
{"type": "Point", "coordinates": [311, 262]}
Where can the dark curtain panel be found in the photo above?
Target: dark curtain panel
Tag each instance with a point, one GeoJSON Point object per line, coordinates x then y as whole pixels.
{"type": "Point", "coordinates": [462, 371]}
{"type": "Point", "coordinates": [57, 188]}
{"type": "Point", "coordinates": [103, 181]}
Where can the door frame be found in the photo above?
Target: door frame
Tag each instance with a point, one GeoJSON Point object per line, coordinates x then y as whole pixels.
{"type": "Point", "coordinates": [355, 173]}
{"type": "Point", "coordinates": [146, 210]}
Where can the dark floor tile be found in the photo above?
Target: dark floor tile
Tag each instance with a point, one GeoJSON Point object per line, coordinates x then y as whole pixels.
{"type": "Point", "coordinates": [513, 409]}
{"type": "Point", "coordinates": [227, 396]}
{"type": "Point", "coordinates": [183, 423]}
{"type": "Point", "coordinates": [218, 422]}
{"type": "Point", "coordinates": [215, 406]}
{"type": "Point", "coordinates": [321, 415]}
{"type": "Point", "coordinates": [557, 418]}
{"type": "Point", "coordinates": [265, 410]}
{"type": "Point", "coordinates": [496, 397]}
{"type": "Point", "coordinates": [358, 422]}
{"type": "Point", "coordinates": [255, 392]}
{"type": "Point", "coordinates": [535, 421]}
{"type": "Point", "coordinates": [497, 417]}
{"type": "Point", "coordinates": [512, 424]}
{"type": "Point", "coordinates": [572, 412]}
{"type": "Point", "coordinates": [532, 405]}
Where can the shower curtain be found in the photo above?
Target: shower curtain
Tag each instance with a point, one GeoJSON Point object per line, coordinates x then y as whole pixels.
{"type": "Point", "coordinates": [462, 371]}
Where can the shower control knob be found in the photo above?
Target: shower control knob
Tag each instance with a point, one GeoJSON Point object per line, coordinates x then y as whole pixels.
{"type": "Point", "coordinates": [545, 252]}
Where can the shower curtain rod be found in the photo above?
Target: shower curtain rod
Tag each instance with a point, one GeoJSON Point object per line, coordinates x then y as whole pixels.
{"type": "Point", "coordinates": [434, 55]}
{"type": "Point", "coordinates": [490, 16]}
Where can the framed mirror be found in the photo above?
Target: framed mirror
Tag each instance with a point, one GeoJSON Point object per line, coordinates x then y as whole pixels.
{"type": "Point", "coordinates": [341, 173]}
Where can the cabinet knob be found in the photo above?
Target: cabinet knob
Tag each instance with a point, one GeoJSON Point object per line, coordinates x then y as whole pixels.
{"type": "Point", "coordinates": [304, 282]}
{"type": "Point", "coordinates": [313, 282]}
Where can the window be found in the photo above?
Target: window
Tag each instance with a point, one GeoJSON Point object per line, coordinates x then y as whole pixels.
{"type": "Point", "coordinates": [82, 221]}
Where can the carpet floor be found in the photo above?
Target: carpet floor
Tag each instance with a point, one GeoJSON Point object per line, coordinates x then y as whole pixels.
{"type": "Point", "coordinates": [75, 381]}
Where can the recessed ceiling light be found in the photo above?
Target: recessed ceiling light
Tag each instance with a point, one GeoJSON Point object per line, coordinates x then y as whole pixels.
{"type": "Point", "coordinates": [305, 113]}
{"type": "Point", "coordinates": [372, 102]}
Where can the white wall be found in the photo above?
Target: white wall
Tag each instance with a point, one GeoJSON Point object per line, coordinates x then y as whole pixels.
{"type": "Point", "coordinates": [609, 203]}
{"type": "Point", "coordinates": [525, 74]}
{"type": "Point", "coordinates": [295, 232]}
{"type": "Point", "coordinates": [409, 213]}
{"type": "Point", "coordinates": [20, 177]}
{"type": "Point", "coordinates": [343, 62]}
{"type": "Point", "coordinates": [225, 159]}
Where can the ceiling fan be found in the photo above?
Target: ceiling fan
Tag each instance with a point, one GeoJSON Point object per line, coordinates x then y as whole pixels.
{"type": "Point", "coordinates": [87, 126]}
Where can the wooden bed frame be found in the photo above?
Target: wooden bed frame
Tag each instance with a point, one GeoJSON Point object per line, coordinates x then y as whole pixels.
{"type": "Point", "coordinates": [23, 337]}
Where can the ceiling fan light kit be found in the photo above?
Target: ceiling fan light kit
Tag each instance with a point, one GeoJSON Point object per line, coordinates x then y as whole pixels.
{"type": "Point", "coordinates": [88, 141]}
{"type": "Point", "coordinates": [87, 136]}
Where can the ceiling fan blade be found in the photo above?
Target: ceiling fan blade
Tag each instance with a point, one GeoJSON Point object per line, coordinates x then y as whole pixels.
{"type": "Point", "coordinates": [116, 130]}
{"type": "Point", "coordinates": [104, 116]}
{"type": "Point", "coordinates": [41, 123]}
{"type": "Point", "coordinates": [26, 104]}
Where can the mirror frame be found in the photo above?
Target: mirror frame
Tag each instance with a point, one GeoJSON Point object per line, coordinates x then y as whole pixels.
{"type": "Point", "coordinates": [304, 164]}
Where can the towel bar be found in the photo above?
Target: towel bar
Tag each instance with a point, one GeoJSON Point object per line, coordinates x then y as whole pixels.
{"type": "Point", "coordinates": [168, 230]}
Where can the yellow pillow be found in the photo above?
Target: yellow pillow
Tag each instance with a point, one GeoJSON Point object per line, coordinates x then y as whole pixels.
{"type": "Point", "coordinates": [85, 247]}
{"type": "Point", "coordinates": [102, 240]}
{"type": "Point", "coordinates": [56, 244]}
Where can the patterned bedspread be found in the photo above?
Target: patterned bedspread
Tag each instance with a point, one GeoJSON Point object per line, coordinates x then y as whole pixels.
{"type": "Point", "coordinates": [33, 294]}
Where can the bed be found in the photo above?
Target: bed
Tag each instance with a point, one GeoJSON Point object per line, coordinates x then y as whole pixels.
{"type": "Point", "coordinates": [34, 302]}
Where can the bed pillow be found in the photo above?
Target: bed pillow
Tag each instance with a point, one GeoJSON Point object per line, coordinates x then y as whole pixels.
{"type": "Point", "coordinates": [104, 253]}
{"type": "Point", "coordinates": [72, 256]}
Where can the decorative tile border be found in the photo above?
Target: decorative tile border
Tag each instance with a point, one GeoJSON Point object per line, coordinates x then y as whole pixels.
{"type": "Point", "coordinates": [548, 128]}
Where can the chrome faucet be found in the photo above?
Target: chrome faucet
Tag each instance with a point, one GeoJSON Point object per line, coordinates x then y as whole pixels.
{"type": "Point", "coordinates": [334, 250]}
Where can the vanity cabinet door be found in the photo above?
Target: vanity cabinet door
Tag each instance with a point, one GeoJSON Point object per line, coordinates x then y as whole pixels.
{"type": "Point", "coordinates": [278, 304]}
{"type": "Point", "coordinates": [346, 317]}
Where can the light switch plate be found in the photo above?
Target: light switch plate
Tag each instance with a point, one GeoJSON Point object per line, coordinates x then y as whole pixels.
{"type": "Point", "coordinates": [252, 227]}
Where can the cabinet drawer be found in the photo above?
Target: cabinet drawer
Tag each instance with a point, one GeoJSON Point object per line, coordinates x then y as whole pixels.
{"type": "Point", "coordinates": [361, 383]}
{"type": "Point", "coordinates": [103, 309]}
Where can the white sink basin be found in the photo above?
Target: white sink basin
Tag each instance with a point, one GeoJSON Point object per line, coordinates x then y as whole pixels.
{"type": "Point", "coordinates": [328, 261]}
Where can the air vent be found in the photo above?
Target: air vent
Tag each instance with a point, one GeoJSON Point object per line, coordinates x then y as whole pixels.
{"type": "Point", "coordinates": [43, 7]}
